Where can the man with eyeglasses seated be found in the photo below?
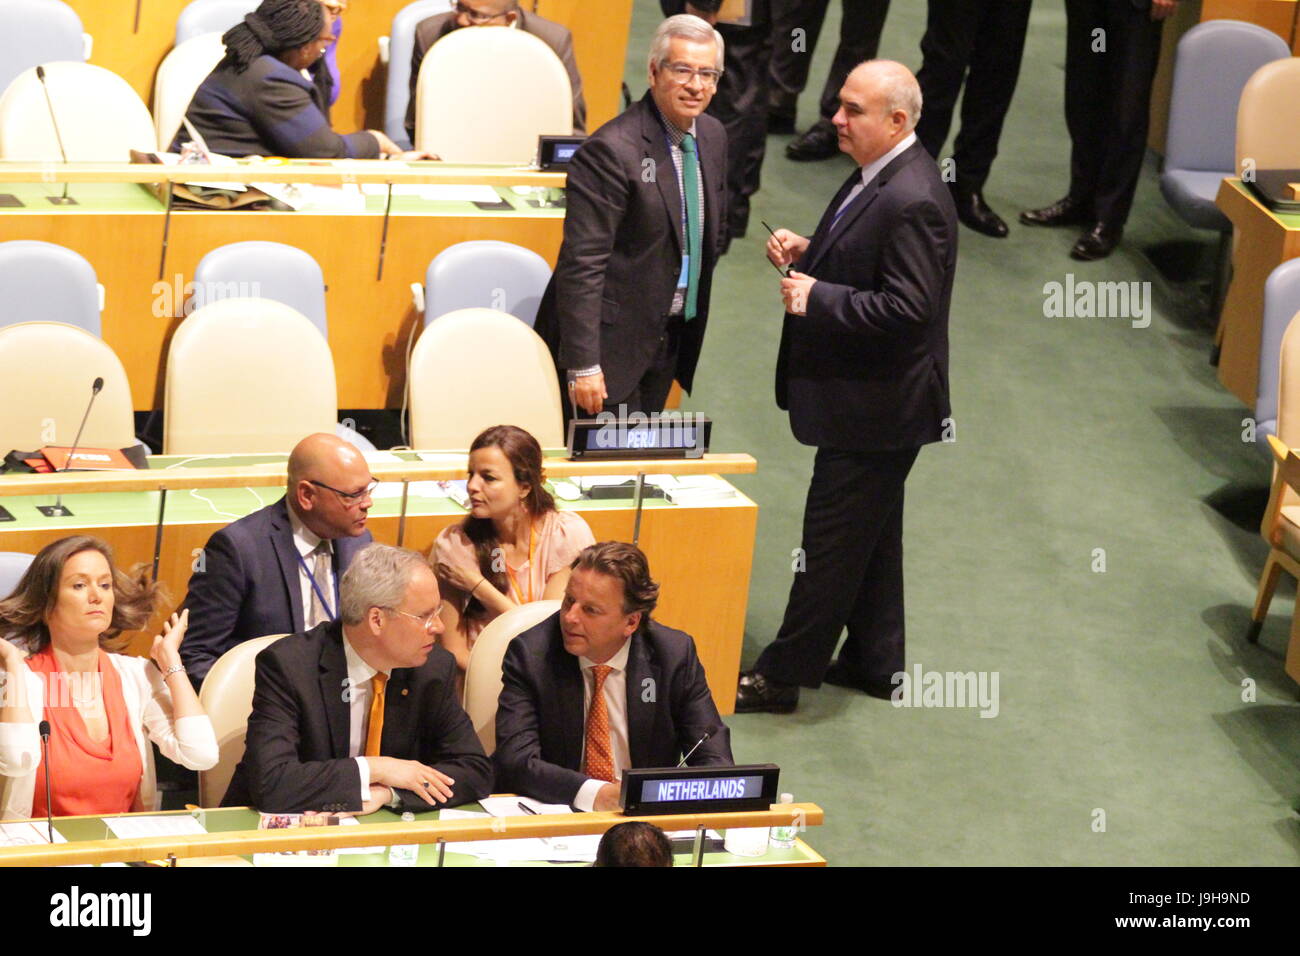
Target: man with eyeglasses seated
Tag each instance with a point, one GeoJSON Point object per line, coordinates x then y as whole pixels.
{"type": "Point", "coordinates": [625, 310]}
{"type": "Point", "coordinates": [276, 571]}
{"type": "Point", "coordinates": [361, 712]}
{"type": "Point", "coordinates": [497, 13]}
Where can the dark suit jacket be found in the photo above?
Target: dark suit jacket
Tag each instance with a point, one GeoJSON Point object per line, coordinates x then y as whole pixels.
{"type": "Point", "coordinates": [248, 585]}
{"type": "Point", "coordinates": [608, 301]}
{"type": "Point", "coordinates": [540, 720]}
{"type": "Point", "coordinates": [297, 745]}
{"type": "Point", "coordinates": [270, 110]}
{"type": "Point", "coordinates": [867, 368]}
{"type": "Point", "coordinates": [557, 37]}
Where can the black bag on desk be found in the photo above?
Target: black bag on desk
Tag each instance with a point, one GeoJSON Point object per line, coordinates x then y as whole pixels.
{"type": "Point", "coordinates": [16, 462]}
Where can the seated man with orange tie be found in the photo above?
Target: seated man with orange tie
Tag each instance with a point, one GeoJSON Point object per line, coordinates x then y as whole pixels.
{"type": "Point", "coordinates": [362, 713]}
{"type": "Point", "coordinates": [602, 664]}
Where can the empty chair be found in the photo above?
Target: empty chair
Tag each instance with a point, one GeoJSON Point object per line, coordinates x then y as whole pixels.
{"type": "Point", "coordinates": [508, 75]}
{"type": "Point", "coordinates": [37, 31]}
{"type": "Point", "coordinates": [181, 72]}
{"type": "Point", "coordinates": [263, 270]}
{"type": "Point", "coordinates": [46, 373]}
{"type": "Point", "coordinates": [1267, 133]}
{"type": "Point", "coordinates": [211, 16]}
{"type": "Point", "coordinates": [485, 274]}
{"type": "Point", "coordinates": [101, 119]}
{"type": "Point", "coordinates": [483, 675]}
{"type": "Point", "coordinates": [475, 368]}
{"type": "Point", "coordinates": [247, 375]}
{"type": "Point", "coordinates": [40, 281]}
{"type": "Point", "coordinates": [227, 699]}
{"type": "Point", "coordinates": [1281, 304]}
{"type": "Point", "coordinates": [397, 53]}
{"type": "Point", "coordinates": [14, 564]}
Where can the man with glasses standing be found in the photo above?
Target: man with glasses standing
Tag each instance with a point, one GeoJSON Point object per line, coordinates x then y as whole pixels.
{"type": "Point", "coordinates": [361, 712]}
{"type": "Point", "coordinates": [497, 13]}
{"type": "Point", "coordinates": [276, 571]}
{"type": "Point", "coordinates": [625, 311]}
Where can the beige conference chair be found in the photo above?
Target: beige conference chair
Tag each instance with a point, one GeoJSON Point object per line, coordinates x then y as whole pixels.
{"type": "Point", "coordinates": [483, 674]}
{"type": "Point", "coordinates": [181, 73]}
{"type": "Point", "coordinates": [474, 368]}
{"type": "Point", "coordinates": [101, 119]}
{"type": "Point", "coordinates": [1267, 132]}
{"type": "Point", "coordinates": [47, 371]}
{"type": "Point", "coordinates": [227, 699]}
{"type": "Point", "coordinates": [484, 96]}
{"type": "Point", "coordinates": [247, 376]}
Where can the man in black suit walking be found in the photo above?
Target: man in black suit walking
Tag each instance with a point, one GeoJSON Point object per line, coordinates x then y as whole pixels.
{"type": "Point", "coordinates": [863, 372]}
{"type": "Point", "coordinates": [625, 311]}
{"type": "Point", "coordinates": [1112, 48]}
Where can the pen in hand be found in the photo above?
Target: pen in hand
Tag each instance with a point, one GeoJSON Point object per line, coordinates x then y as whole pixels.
{"type": "Point", "coordinates": [785, 273]}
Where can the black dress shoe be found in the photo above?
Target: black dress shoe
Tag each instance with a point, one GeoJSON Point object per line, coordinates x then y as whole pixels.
{"type": "Point", "coordinates": [779, 124]}
{"type": "Point", "coordinates": [1063, 212]}
{"type": "Point", "coordinates": [839, 675]}
{"type": "Point", "coordinates": [757, 694]}
{"type": "Point", "coordinates": [821, 141]}
{"type": "Point", "coordinates": [975, 213]}
{"type": "Point", "coordinates": [1097, 243]}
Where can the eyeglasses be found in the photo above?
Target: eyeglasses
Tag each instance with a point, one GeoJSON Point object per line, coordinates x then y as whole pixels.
{"type": "Point", "coordinates": [681, 74]}
{"type": "Point", "coordinates": [426, 621]}
{"type": "Point", "coordinates": [473, 16]}
{"type": "Point", "coordinates": [349, 497]}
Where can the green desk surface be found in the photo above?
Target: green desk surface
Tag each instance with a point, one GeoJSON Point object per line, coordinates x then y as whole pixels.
{"type": "Point", "coordinates": [222, 505]}
{"type": "Point", "coordinates": [126, 198]}
{"type": "Point", "coordinates": [1288, 220]}
{"type": "Point", "coordinates": [241, 818]}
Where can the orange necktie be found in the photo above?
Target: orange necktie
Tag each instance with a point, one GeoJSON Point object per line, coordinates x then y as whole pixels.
{"type": "Point", "coordinates": [598, 757]}
{"type": "Point", "coordinates": [375, 733]}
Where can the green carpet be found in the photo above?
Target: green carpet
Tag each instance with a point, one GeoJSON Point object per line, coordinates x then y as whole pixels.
{"type": "Point", "coordinates": [1121, 737]}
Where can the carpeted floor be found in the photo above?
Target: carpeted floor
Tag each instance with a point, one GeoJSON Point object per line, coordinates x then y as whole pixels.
{"type": "Point", "coordinates": [1121, 735]}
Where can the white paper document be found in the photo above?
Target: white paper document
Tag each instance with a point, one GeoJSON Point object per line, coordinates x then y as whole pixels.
{"type": "Point", "coordinates": [430, 192]}
{"type": "Point", "coordinates": [564, 849]}
{"type": "Point", "coordinates": [133, 828]}
{"type": "Point", "coordinates": [27, 834]}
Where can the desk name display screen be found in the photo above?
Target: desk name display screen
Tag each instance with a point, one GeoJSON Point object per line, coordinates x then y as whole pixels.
{"type": "Point", "coordinates": [669, 435]}
{"type": "Point", "coordinates": [650, 791]}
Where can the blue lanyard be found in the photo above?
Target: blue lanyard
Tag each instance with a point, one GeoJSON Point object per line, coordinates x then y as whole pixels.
{"type": "Point", "coordinates": [316, 587]}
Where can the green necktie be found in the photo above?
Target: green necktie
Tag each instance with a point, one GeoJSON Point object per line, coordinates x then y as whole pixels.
{"type": "Point", "coordinates": [694, 224]}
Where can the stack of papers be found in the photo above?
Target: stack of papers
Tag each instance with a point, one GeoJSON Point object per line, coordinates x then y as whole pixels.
{"type": "Point", "coordinates": [566, 849]}
{"type": "Point", "coordinates": [27, 834]}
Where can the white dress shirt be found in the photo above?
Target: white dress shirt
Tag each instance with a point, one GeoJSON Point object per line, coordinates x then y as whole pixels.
{"type": "Point", "coordinates": [615, 694]}
{"type": "Point", "coordinates": [873, 168]}
{"type": "Point", "coordinates": [305, 541]}
{"type": "Point", "coordinates": [359, 675]}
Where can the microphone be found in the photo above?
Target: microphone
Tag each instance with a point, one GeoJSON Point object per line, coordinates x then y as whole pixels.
{"type": "Point", "coordinates": [65, 199]}
{"type": "Point", "coordinates": [57, 510]}
{"type": "Point", "coordinates": [45, 758]}
{"type": "Point", "coordinates": [698, 743]}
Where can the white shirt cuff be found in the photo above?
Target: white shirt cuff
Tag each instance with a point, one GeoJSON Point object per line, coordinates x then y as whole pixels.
{"type": "Point", "coordinates": [365, 779]}
{"type": "Point", "coordinates": [586, 798]}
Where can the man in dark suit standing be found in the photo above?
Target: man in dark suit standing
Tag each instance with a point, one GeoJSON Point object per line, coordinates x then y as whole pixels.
{"type": "Point", "coordinates": [601, 664]}
{"type": "Point", "coordinates": [978, 45]}
{"type": "Point", "coordinates": [863, 372]}
{"type": "Point", "coordinates": [497, 13]}
{"type": "Point", "coordinates": [276, 570]}
{"type": "Point", "coordinates": [625, 311]}
{"type": "Point", "coordinates": [1112, 48]}
{"type": "Point", "coordinates": [362, 713]}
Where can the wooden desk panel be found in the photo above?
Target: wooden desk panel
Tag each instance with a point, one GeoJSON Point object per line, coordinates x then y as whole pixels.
{"type": "Point", "coordinates": [1276, 15]}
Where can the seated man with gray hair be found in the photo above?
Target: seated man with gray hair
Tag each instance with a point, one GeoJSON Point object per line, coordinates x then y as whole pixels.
{"type": "Point", "coordinates": [362, 712]}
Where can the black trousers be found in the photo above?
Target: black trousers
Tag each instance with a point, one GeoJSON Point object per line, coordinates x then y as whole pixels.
{"type": "Point", "coordinates": [981, 44]}
{"type": "Point", "coordinates": [853, 571]}
{"type": "Point", "coordinates": [1108, 77]}
{"type": "Point", "coordinates": [861, 23]}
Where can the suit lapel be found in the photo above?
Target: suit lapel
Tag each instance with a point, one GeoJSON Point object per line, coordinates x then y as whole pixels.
{"type": "Point", "coordinates": [656, 146]}
{"type": "Point", "coordinates": [333, 677]}
{"type": "Point", "coordinates": [640, 711]}
{"type": "Point", "coordinates": [398, 736]}
{"type": "Point", "coordinates": [287, 557]}
{"type": "Point", "coordinates": [567, 685]}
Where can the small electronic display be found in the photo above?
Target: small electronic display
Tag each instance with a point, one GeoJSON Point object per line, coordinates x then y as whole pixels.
{"type": "Point", "coordinates": [699, 789]}
{"type": "Point", "coordinates": [556, 152]}
{"type": "Point", "coordinates": [663, 435]}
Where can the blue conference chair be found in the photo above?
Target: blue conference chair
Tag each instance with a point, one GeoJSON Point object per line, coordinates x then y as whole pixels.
{"type": "Point", "coordinates": [401, 45]}
{"type": "Point", "coordinates": [1281, 303]}
{"type": "Point", "coordinates": [1213, 63]}
{"type": "Point", "coordinates": [40, 281]}
{"type": "Point", "coordinates": [211, 16]}
{"type": "Point", "coordinates": [13, 565]}
{"type": "Point", "coordinates": [37, 31]}
{"type": "Point", "coordinates": [486, 274]}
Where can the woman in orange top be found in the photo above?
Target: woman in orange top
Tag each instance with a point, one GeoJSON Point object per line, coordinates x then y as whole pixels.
{"type": "Point", "coordinates": [102, 708]}
{"type": "Point", "coordinates": [513, 548]}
